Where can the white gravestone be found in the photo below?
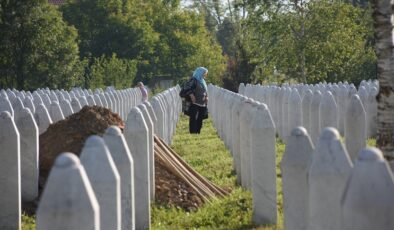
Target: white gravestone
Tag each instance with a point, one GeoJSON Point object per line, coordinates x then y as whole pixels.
{"type": "Point", "coordinates": [121, 156]}
{"type": "Point", "coordinates": [90, 100]}
{"type": "Point", "coordinates": [314, 116]}
{"type": "Point", "coordinates": [368, 201]}
{"type": "Point", "coordinates": [28, 102]}
{"type": "Point", "coordinates": [28, 132]}
{"type": "Point", "coordinates": [328, 111]}
{"type": "Point", "coordinates": [68, 201]}
{"type": "Point", "coordinates": [294, 111]}
{"type": "Point", "coordinates": [294, 167]}
{"type": "Point", "coordinates": [75, 105]}
{"type": "Point", "coordinates": [136, 134]}
{"type": "Point", "coordinates": [306, 108]}
{"type": "Point", "coordinates": [56, 112]}
{"type": "Point", "coordinates": [355, 126]}
{"type": "Point", "coordinates": [5, 105]}
{"type": "Point", "coordinates": [329, 171]}
{"type": "Point", "coordinates": [42, 117]}
{"type": "Point", "coordinates": [248, 108]}
{"type": "Point", "coordinates": [151, 143]}
{"type": "Point", "coordinates": [97, 100]}
{"type": "Point", "coordinates": [66, 108]}
{"type": "Point", "coordinates": [105, 181]}
{"type": "Point", "coordinates": [10, 180]}
{"type": "Point", "coordinates": [263, 166]}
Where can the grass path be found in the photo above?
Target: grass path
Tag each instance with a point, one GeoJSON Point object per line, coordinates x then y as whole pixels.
{"type": "Point", "coordinates": [207, 154]}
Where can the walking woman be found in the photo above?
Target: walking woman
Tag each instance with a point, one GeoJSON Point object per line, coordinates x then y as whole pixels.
{"type": "Point", "coordinates": [196, 89]}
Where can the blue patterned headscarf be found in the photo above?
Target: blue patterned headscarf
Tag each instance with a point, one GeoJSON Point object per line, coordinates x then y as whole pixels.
{"type": "Point", "coordinates": [198, 74]}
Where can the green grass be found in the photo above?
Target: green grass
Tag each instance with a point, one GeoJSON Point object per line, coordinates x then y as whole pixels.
{"type": "Point", "coordinates": [207, 154]}
{"type": "Point", "coordinates": [28, 222]}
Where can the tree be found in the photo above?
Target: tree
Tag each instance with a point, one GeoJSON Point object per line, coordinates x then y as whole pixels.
{"type": "Point", "coordinates": [37, 48]}
{"type": "Point", "coordinates": [112, 71]}
{"type": "Point", "coordinates": [383, 31]}
{"type": "Point", "coordinates": [318, 41]}
{"type": "Point", "coordinates": [161, 37]}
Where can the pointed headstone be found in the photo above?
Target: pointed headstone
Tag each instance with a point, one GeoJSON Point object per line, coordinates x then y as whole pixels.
{"type": "Point", "coordinates": [68, 201]}
{"type": "Point", "coordinates": [123, 160]}
{"type": "Point", "coordinates": [105, 181]}
{"type": "Point", "coordinates": [10, 180]}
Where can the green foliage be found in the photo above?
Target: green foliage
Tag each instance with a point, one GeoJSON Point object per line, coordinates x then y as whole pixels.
{"type": "Point", "coordinates": [164, 39]}
{"type": "Point", "coordinates": [111, 71]}
{"type": "Point", "coordinates": [320, 41]}
{"type": "Point", "coordinates": [37, 48]}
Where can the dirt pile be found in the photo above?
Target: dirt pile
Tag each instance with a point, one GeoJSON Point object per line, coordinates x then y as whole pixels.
{"type": "Point", "coordinates": [69, 135]}
{"type": "Point", "coordinates": [170, 190]}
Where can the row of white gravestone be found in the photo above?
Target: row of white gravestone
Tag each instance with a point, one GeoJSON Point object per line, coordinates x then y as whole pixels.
{"type": "Point", "coordinates": [141, 122]}
{"type": "Point", "coordinates": [323, 189]}
{"type": "Point", "coordinates": [317, 110]}
{"type": "Point", "coordinates": [51, 106]}
{"type": "Point", "coordinates": [33, 112]}
{"type": "Point", "coordinates": [248, 131]}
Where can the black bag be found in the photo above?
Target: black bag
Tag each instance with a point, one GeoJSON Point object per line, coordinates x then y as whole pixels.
{"type": "Point", "coordinates": [182, 93]}
{"type": "Point", "coordinates": [186, 106]}
{"type": "Point", "coordinates": [186, 89]}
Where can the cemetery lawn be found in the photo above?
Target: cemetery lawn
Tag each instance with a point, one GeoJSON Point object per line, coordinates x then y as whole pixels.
{"type": "Point", "coordinates": [207, 154]}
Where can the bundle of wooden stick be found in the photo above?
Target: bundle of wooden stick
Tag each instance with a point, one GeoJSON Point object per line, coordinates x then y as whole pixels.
{"type": "Point", "coordinates": [205, 189]}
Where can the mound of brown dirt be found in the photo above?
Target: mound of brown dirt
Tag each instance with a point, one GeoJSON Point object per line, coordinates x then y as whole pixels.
{"type": "Point", "coordinates": [70, 134]}
{"type": "Point", "coordinates": [171, 190]}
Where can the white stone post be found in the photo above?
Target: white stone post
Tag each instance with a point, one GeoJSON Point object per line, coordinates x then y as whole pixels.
{"type": "Point", "coordinates": [329, 171]}
{"type": "Point", "coordinates": [10, 180]}
{"type": "Point", "coordinates": [159, 111]}
{"type": "Point", "coordinates": [314, 117]}
{"type": "Point", "coordinates": [136, 134]}
{"type": "Point", "coordinates": [263, 166]}
{"type": "Point", "coordinates": [42, 117]}
{"type": "Point", "coordinates": [236, 137]}
{"type": "Point", "coordinates": [66, 108]}
{"type": "Point", "coordinates": [75, 105]}
{"type": "Point", "coordinates": [151, 144]}
{"type": "Point", "coordinates": [90, 100]}
{"type": "Point", "coordinates": [294, 167]}
{"type": "Point", "coordinates": [28, 102]}
{"type": "Point", "coordinates": [55, 111]}
{"type": "Point", "coordinates": [306, 108]}
{"type": "Point", "coordinates": [28, 132]}
{"type": "Point", "coordinates": [105, 181]}
{"type": "Point", "coordinates": [368, 201]}
{"type": "Point", "coordinates": [294, 111]}
{"type": "Point", "coordinates": [245, 135]}
{"type": "Point", "coordinates": [328, 111]}
{"type": "Point", "coordinates": [123, 160]}
{"type": "Point", "coordinates": [68, 201]}
{"type": "Point", "coordinates": [355, 127]}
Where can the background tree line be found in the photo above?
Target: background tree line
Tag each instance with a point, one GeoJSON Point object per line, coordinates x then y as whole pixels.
{"type": "Point", "coordinates": [94, 43]}
{"type": "Point", "coordinates": [293, 40]}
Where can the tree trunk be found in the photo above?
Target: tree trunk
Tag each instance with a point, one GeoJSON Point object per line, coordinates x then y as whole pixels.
{"type": "Point", "coordinates": [382, 12]}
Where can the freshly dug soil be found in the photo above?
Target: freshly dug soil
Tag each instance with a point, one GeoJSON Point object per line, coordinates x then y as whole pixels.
{"type": "Point", "coordinates": [172, 191]}
{"type": "Point", "coordinates": [70, 134]}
